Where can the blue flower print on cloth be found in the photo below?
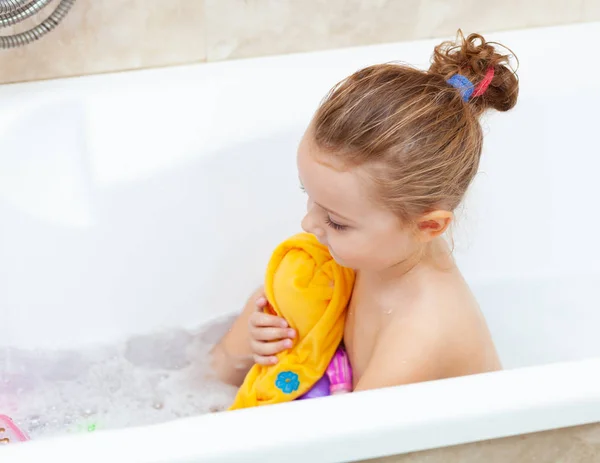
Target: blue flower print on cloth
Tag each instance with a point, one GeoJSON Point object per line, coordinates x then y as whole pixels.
{"type": "Point", "coordinates": [287, 381]}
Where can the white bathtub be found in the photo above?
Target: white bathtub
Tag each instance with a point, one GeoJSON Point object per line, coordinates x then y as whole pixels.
{"type": "Point", "coordinates": [137, 201]}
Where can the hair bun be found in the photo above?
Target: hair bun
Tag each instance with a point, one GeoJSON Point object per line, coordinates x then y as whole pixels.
{"type": "Point", "coordinates": [472, 57]}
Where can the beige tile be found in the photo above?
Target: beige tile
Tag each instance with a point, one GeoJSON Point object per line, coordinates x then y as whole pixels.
{"type": "Point", "coordinates": [553, 12]}
{"type": "Point", "coordinates": [591, 10]}
{"type": "Point", "coordinates": [109, 35]}
{"type": "Point", "coordinates": [443, 17]}
{"type": "Point", "coordinates": [571, 445]}
{"type": "Point", "coordinates": [242, 28]}
{"type": "Point", "coordinates": [590, 434]}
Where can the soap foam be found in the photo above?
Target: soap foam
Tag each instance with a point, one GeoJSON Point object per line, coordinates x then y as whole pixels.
{"type": "Point", "coordinates": [145, 380]}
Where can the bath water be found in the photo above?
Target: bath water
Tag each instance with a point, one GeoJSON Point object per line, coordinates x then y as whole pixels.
{"type": "Point", "coordinates": [144, 380]}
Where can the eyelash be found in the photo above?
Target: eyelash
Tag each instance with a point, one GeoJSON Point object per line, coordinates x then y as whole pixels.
{"type": "Point", "coordinates": [335, 226]}
{"type": "Point", "coordinates": [330, 223]}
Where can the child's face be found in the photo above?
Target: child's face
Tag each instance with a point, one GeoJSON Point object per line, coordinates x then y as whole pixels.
{"type": "Point", "coordinates": [360, 234]}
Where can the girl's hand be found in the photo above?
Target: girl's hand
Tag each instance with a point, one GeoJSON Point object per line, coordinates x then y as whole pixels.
{"type": "Point", "coordinates": [269, 334]}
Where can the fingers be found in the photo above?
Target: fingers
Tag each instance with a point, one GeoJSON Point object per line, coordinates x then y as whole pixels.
{"type": "Point", "coordinates": [265, 327]}
{"type": "Point", "coordinates": [266, 361]}
{"type": "Point", "coordinates": [261, 303]}
{"type": "Point", "coordinates": [260, 319]}
{"type": "Point", "coordinates": [265, 352]}
{"type": "Point", "coordinates": [269, 334]}
{"type": "Point", "coordinates": [268, 349]}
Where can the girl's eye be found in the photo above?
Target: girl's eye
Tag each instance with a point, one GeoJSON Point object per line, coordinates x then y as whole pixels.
{"type": "Point", "coordinates": [302, 188]}
{"type": "Point", "coordinates": [334, 225]}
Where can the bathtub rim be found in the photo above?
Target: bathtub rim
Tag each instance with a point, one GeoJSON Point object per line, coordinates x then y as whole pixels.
{"type": "Point", "coordinates": [450, 412]}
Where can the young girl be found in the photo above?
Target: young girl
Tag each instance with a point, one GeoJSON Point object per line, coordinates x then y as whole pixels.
{"type": "Point", "coordinates": [384, 163]}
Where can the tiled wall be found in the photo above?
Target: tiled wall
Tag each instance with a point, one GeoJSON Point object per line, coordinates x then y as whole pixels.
{"type": "Point", "coordinates": [571, 445]}
{"type": "Point", "coordinates": [111, 35]}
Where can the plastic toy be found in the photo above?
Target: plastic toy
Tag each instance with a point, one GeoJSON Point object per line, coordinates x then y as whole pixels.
{"type": "Point", "coordinates": [9, 432]}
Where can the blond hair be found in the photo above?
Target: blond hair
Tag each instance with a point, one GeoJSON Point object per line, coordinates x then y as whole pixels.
{"type": "Point", "coordinates": [412, 131]}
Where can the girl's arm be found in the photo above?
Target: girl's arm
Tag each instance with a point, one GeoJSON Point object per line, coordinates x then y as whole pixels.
{"type": "Point", "coordinates": [255, 337]}
{"type": "Point", "coordinates": [407, 351]}
{"type": "Point", "coordinates": [232, 357]}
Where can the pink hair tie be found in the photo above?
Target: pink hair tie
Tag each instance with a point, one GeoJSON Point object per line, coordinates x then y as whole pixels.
{"type": "Point", "coordinates": [485, 83]}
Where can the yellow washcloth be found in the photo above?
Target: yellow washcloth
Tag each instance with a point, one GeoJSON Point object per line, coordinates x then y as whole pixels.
{"type": "Point", "coordinates": [304, 285]}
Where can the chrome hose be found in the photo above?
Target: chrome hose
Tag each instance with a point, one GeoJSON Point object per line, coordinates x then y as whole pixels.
{"type": "Point", "coordinates": [7, 6]}
{"type": "Point", "coordinates": [14, 11]}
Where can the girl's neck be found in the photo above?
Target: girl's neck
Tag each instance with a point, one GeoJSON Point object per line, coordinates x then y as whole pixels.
{"type": "Point", "coordinates": [435, 255]}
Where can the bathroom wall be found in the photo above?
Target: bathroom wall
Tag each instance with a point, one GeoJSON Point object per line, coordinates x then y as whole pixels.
{"type": "Point", "coordinates": [573, 445]}
{"type": "Point", "coordinates": [111, 35]}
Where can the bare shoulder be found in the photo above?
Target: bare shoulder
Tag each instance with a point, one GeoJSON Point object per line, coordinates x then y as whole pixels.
{"type": "Point", "coordinates": [438, 332]}
{"type": "Point", "coordinates": [462, 338]}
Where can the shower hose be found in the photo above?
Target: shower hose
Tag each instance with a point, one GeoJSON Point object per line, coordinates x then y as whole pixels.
{"type": "Point", "coordinates": [15, 11]}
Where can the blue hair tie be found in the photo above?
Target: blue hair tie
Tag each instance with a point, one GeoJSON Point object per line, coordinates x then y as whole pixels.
{"type": "Point", "coordinates": [464, 85]}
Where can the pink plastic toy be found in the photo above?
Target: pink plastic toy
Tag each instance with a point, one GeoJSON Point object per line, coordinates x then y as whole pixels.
{"type": "Point", "coordinates": [337, 378]}
{"type": "Point", "coordinates": [9, 432]}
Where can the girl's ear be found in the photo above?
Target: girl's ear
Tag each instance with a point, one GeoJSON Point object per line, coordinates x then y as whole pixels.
{"type": "Point", "coordinates": [433, 224]}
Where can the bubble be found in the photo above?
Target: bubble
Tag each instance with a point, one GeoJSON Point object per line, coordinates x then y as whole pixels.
{"type": "Point", "coordinates": [158, 405]}
{"type": "Point", "coordinates": [115, 386]}
{"type": "Point", "coordinates": [88, 412]}
{"type": "Point", "coordinates": [166, 351]}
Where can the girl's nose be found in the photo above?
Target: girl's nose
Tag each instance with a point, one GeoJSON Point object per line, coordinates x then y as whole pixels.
{"type": "Point", "coordinates": [310, 224]}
